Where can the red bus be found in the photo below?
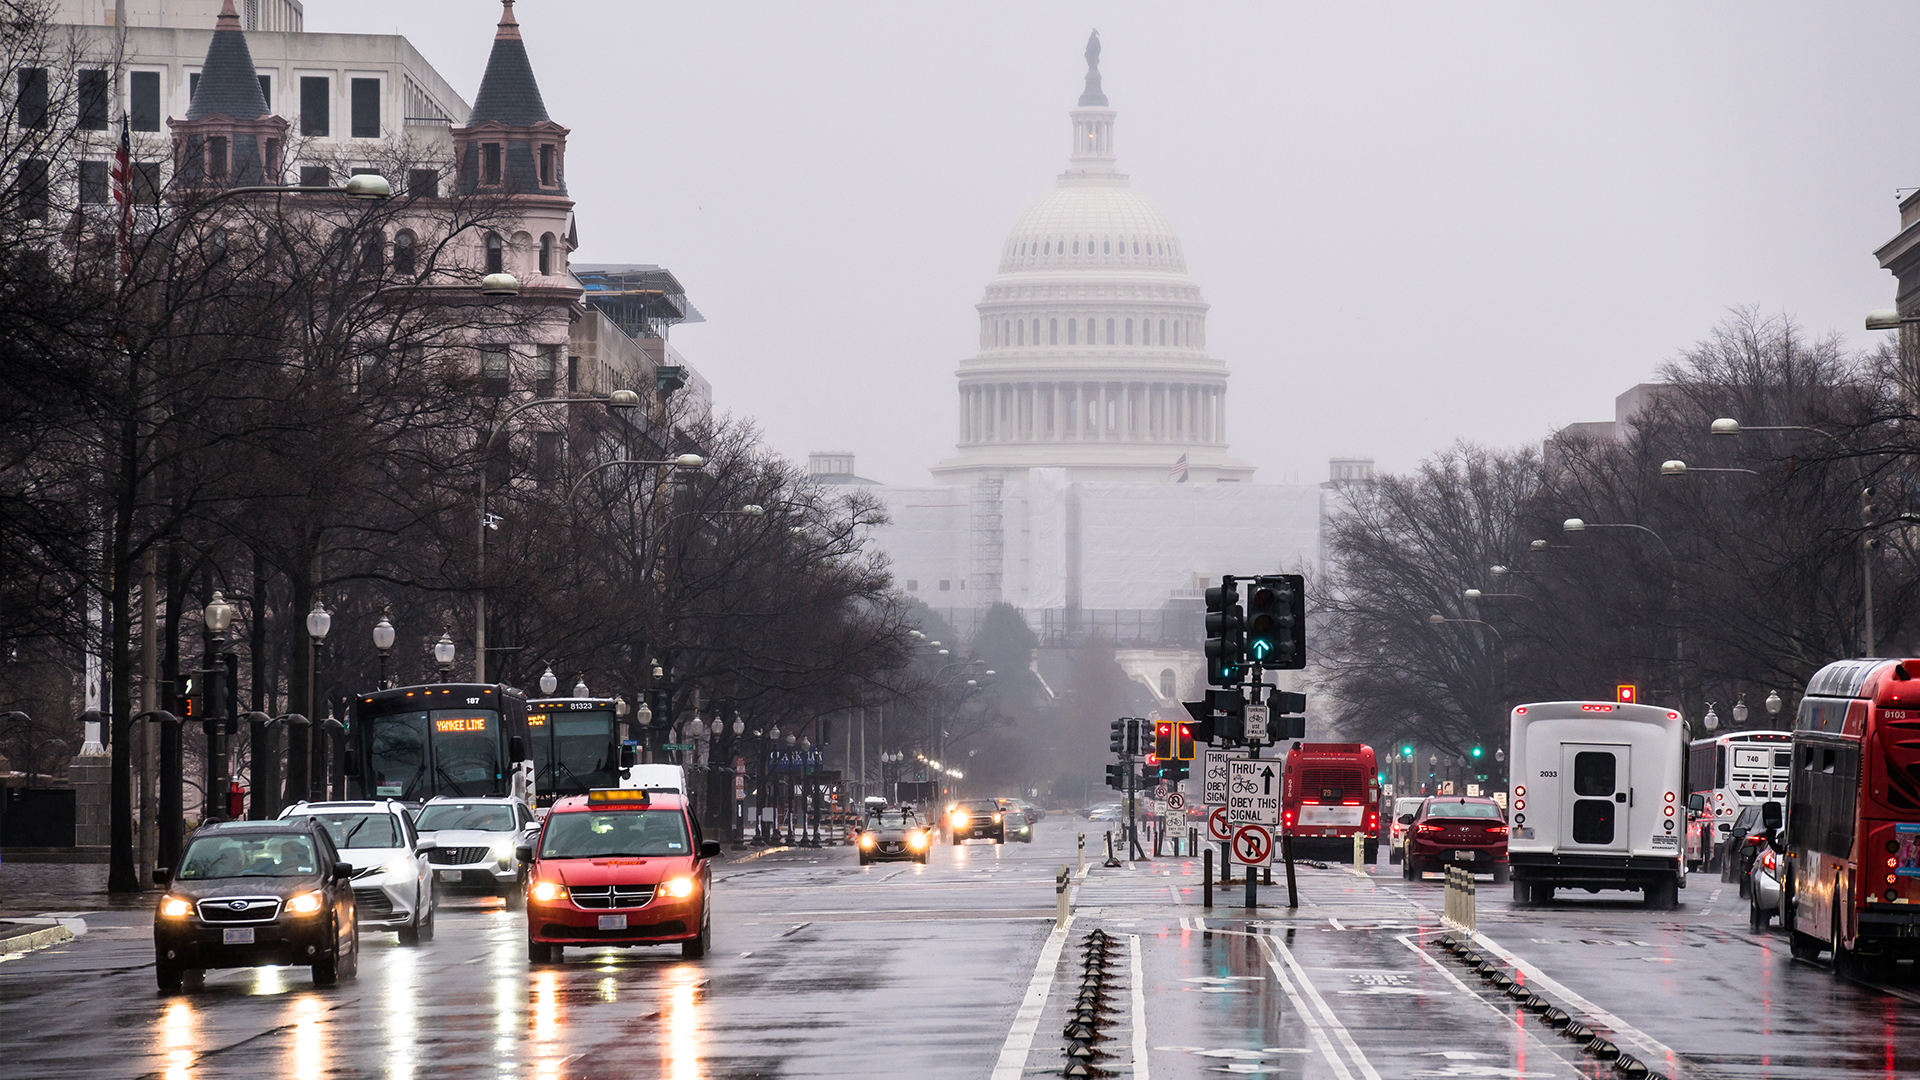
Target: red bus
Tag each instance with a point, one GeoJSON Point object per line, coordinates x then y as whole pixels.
{"type": "Point", "coordinates": [1852, 882]}
{"type": "Point", "coordinates": [1331, 795]}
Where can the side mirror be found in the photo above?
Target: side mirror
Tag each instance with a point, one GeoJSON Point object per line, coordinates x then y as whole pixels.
{"type": "Point", "coordinates": [524, 852]}
{"type": "Point", "coordinates": [422, 846]}
{"type": "Point", "coordinates": [1771, 816]}
{"type": "Point", "coordinates": [342, 872]}
{"type": "Point", "coordinates": [1697, 801]}
{"type": "Point", "coordinates": [1406, 819]}
{"type": "Point", "coordinates": [162, 875]}
{"type": "Point", "coordinates": [352, 763]}
{"type": "Point", "coordinates": [629, 756]}
{"type": "Point", "coordinates": [517, 748]}
{"type": "Point", "coordinates": [709, 849]}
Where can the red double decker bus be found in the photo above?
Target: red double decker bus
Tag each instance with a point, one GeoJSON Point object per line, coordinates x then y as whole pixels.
{"type": "Point", "coordinates": [1852, 881]}
{"type": "Point", "coordinates": [1331, 795]}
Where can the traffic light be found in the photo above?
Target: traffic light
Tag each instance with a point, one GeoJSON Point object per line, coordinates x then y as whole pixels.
{"type": "Point", "coordinates": [1476, 751]}
{"type": "Point", "coordinates": [1163, 740]}
{"type": "Point", "coordinates": [1182, 742]}
{"type": "Point", "coordinates": [186, 697]}
{"type": "Point", "coordinates": [1173, 771]}
{"type": "Point", "coordinates": [1226, 639]}
{"type": "Point", "coordinates": [1117, 777]}
{"type": "Point", "coordinates": [1133, 737]}
{"type": "Point", "coordinates": [1276, 622]}
{"type": "Point", "coordinates": [1626, 694]}
{"type": "Point", "coordinates": [1117, 736]}
{"type": "Point", "coordinates": [1407, 750]}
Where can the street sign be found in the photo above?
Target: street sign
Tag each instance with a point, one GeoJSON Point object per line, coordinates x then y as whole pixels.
{"type": "Point", "coordinates": [1257, 724]}
{"type": "Point", "coordinates": [1217, 826]}
{"type": "Point", "coordinates": [1176, 801]}
{"type": "Point", "coordinates": [677, 746]}
{"type": "Point", "coordinates": [1253, 845]}
{"type": "Point", "coordinates": [1253, 792]}
{"type": "Point", "coordinates": [1213, 770]}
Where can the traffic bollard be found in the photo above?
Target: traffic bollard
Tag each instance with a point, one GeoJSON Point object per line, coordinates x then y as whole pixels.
{"type": "Point", "coordinates": [1206, 878]}
{"type": "Point", "coordinates": [1083, 854]}
{"type": "Point", "coordinates": [1060, 881]}
{"type": "Point", "coordinates": [1359, 853]}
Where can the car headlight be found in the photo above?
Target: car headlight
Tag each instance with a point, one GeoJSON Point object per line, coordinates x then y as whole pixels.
{"type": "Point", "coordinates": [549, 890]}
{"type": "Point", "coordinates": [678, 888]}
{"type": "Point", "coordinates": [960, 820]}
{"type": "Point", "coordinates": [996, 819]}
{"type": "Point", "coordinates": [305, 903]}
{"type": "Point", "coordinates": [866, 839]}
{"type": "Point", "coordinates": [503, 852]}
{"type": "Point", "coordinates": [916, 840]}
{"type": "Point", "coordinates": [174, 907]}
{"type": "Point", "coordinates": [401, 867]}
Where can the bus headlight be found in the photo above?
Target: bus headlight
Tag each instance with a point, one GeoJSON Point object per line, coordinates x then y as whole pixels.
{"type": "Point", "coordinates": [677, 888]}
{"type": "Point", "coordinates": [544, 891]}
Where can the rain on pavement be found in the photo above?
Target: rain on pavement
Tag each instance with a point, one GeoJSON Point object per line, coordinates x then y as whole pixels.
{"type": "Point", "coordinates": [824, 968]}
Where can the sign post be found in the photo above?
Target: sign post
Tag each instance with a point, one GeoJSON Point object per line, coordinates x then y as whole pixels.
{"type": "Point", "coordinates": [1253, 812]}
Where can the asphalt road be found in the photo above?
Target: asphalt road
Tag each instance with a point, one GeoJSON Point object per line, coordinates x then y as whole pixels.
{"type": "Point", "coordinates": [824, 968]}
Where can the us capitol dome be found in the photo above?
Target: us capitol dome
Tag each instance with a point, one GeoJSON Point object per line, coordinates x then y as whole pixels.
{"type": "Point", "coordinates": [1093, 339]}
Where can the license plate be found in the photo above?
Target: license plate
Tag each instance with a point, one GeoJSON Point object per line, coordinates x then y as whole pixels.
{"type": "Point", "coordinates": [449, 875]}
{"type": "Point", "coordinates": [1463, 856]}
{"type": "Point", "coordinates": [237, 936]}
{"type": "Point", "coordinates": [613, 922]}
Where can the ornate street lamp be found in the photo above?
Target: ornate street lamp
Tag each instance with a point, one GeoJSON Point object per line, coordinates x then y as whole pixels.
{"type": "Point", "coordinates": [383, 641]}
{"type": "Point", "coordinates": [548, 682]}
{"type": "Point", "coordinates": [443, 655]}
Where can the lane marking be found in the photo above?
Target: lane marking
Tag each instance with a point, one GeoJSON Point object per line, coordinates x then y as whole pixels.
{"type": "Point", "coordinates": [1335, 922]}
{"type": "Point", "coordinates": [1139, 994]}
{"type": "Point", "coordinates": [1012, 1064]}
{"type": "Point", "coordinates": [1300, 1009]}
{"type": "Point", "coordinates": [795, 928]}
{"type": "Point", "coordinates": [1651, 1048]}
{"type": "Point", "coordinates": [1339, 1029]}
{"type": "Point", "coordinates": [1540, 1044]}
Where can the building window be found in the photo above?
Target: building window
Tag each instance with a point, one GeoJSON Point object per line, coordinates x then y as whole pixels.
{"type": "Point", "coordinates": [546, 366]}
{"type": "Point", "coordinates": [490, 163]}
{"type": "Point", "coordinates": [93, 183]}
{"type": "Point", "coordinates": [423, 183]}
{"type": "Point", "coordinates": [1076, 247]}
{"type": "Point", "coordinates": [364, 95]}
{"type": "Point", "coordinates": [1053, 331]}
{"type": "Point", "coordinates": [496, 254]}
{"type": "Point", "coordinates": [33, 189]}
{"type": "Point", "coordinates": [1129, 331]}
{"type": "Point", "coordinates": [266, 91]}
{"type": "Point", "coordinates": [1166, 682]}
{"type": "Point", "coordinates": [1047, 248]}
{"type": "Point", "coordinates": [270, 162]}
{"type": "Point", "coordinates": [217, 157]}
{"type": "Point", "coordinates": [403, 253]}
{"type": "Point", "coordinates": [546, 456]}
{"type": "Point", "coordinates": [1036, 331]}
{"type": "Point", "coordinates": [946, 585]}
{"type": "Point", "coordinates": [146, 183]}
{"type": "Point", "coordinates": [143, 93]}
{"type": "Point", "coordinates": [1163, 331]}
{"type": "Point", "coordinates": [316, 102]}
{"type": "Point", "coordinates": [1106, 247]}
{"type": "Point", "coordinates": [546, 253]}
{"type": "Point", "coordinates": [93, 99]}
{"type": "Point", "coordinates": [494, 369]}
{"type": "Point", "coordinates": [1091, 337]}
{"type": "Point", "coordinates": [339, 250]}
{"type": "Point", "coordinates": [913, 585]}
{"type": "Point", "coordinates": [546, 165]}
{"type": "Point", "coordinates": [1109, 331]}
{"type": "Point", "coordinates": [1073, 327]}
{"type": "Point", "coordinates": [373, 255]}
{"type": "Point", "coordinates": [316, 176]}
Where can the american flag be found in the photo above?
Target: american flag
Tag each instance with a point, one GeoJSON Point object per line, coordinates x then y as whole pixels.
{"type": "Point", "coordinates": [1179, 471]}
{"type": "Point", "coordinates": [123, 194]}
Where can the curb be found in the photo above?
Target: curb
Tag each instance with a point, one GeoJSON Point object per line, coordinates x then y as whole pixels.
{"type": "Point", "coordinates": [36, 939]}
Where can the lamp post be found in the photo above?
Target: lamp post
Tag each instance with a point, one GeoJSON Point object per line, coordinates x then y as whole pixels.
{"type": "Point", "coordinates": [443, 655]}
{"type": "Point", "coordinates": [548, 682]}
{"type": "Point", "coordinates": [302, 777]}
{"type": "Point", "coordinates": [619, 399]}
{"type": "Point", "coordinates": [1774, 703]}
{"type": "Point", "coordinates": [383, 641]}
{"type": "Point", "coordinates": [218, 616]}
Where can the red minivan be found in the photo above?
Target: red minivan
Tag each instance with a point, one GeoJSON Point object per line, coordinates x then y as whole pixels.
{"type": "Point", "coordinates": [619, 866]}
{"type": "Point", "coordinates": [1457, 830]}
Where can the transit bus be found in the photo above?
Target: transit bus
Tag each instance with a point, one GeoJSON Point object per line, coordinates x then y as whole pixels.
{"type": "Point", "coordinates": [576, 745]}
{"type": "Point", "coordinates": [414, 742]}
{"type": "Point", "coordinates": [1852, 881]}
{"type": "Point", "coordinates": [1331, 793]}
{"type": "Point", "coordinates": [1732, 772]}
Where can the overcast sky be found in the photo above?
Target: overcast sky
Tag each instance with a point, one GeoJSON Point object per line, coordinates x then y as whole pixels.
{"type": "Point", "coordinates": [1415, 223]}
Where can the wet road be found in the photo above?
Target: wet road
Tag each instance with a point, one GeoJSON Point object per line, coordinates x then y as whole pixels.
{"type": "Point", "coordinates": [823, 968]}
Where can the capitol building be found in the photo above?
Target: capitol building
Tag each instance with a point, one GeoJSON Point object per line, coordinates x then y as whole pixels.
{"type": "Point", "coordinates": [1092, 485]}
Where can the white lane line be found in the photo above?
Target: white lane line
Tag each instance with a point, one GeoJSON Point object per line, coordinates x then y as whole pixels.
{"type": "Point", "coordinates": [1300, 1009]}
{"type": "Point", "coordinates": [1175, 892]}
{"type": "Point", "coordinates": [1335, 922]}
{"type": "Point", "coordinates": [1333, 1022]}
{"type": "Point", "coordinates": [1510, 1018]}
{"type": "Point", "coordinates": [1651, 1049]}
{"type": "Point", "coordinates": [1026, 1020]}
{"type": "Point", "coordinates": [1139, 994]}
{"type": "Point", "coordinates": [1199, 923]}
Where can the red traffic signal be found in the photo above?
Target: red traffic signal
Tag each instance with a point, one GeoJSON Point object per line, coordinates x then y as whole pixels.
{"type": "Point", "coordinates": [1183, 743]}
{"type": "Point", "coordinates": [1163, 739]}
{"type": "Point", "coordinates": [1627, 694]}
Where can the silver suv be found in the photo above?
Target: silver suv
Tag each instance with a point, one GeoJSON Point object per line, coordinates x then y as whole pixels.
{"type": "Point", "coordinates": [474, 844]}
{"type": "Point", "coordinates": [392, 884]}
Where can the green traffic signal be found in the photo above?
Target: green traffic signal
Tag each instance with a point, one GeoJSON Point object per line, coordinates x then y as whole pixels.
{"type": "Point", "coordinates": [1407, 750]}
{"type": "Point", "coordinates": [1476, 751]}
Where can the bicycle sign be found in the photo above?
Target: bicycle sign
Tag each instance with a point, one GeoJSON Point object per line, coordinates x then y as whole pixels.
{"type": "Point", "coordinates": [1253, 792]}
{"type": "Point", "coordinates": [1214, 774]}
{"type": "Point", "coordinates": [1253, 846]}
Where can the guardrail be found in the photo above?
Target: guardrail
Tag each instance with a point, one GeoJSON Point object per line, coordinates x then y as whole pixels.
{"type": "Point", "coordinates": [1460, 910]}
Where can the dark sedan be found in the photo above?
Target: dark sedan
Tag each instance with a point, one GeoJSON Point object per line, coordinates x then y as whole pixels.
{"type": "Point", "coordinates": [1451, 830]}
{"type": "Point", "coordinates": [893, 834]}
{"type": "Point", "coordinates": [252, 893]}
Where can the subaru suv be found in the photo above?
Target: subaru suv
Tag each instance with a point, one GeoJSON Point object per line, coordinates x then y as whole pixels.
{"type": "Point", "coordinates": [619, 866]}
{"type": "Point", "coordinates": [392, 883]}
{"type": "Point", "coordinates": [475, 840]}
{"type": "Point", "coordinates": [251, 893]}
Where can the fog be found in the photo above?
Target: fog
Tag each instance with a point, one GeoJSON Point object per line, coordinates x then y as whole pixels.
{"type": "Point", "coordinates": [1415, 223]}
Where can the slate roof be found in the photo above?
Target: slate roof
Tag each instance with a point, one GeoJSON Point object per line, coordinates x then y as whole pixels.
{"type": "Point", "coordinates": [508, 92]}
{"type": "Point", "coordinates": [228, 84]}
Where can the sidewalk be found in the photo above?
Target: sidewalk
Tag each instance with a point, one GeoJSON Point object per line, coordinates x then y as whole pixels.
{"type": "Point", "coordinates": [32, 888]}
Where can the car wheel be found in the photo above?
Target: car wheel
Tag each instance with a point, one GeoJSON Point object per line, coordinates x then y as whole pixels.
{"type": "Point", "coordinates": [864, 860]}
{"type": "Point", "coordinates": [326, 969]}
{"type": "Point", "coordinates": [539, 952]}
{"type": "Point", "coordinates": [1756, 919]}
{"type": "Point", "coordinates": [695, 948]}
{"type": "Point", "coordinates": [169, 975]}
{"type": "Point", "coordinates": [1846, 962]}
{"type": "Point", "coordinates": [350, 965]}
{"type": "Point", "coordinates": [1406, 866]}
{"type": "Point", "coordinates": [1522, 894]}
{"type": "Point", "coordinates": [426, 925]}
{"type": "Point", "coordinates": [956, 840]}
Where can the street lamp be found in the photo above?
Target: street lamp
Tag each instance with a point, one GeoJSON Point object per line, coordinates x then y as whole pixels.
{"type": "Point", "coordinates": [301, 742]}
{"type": "Point", "coordinates": [643, 716]}
{"type": "Point", "coordinates": [1711, 721]}
{"type": "Point", "coordinates": [1676, 467]}
{"type": "Point", "coordinates": [580, 686]}
{"type": "Point", "coordinates": [443, 655]}
{"type": "Point", "coordinates": [548, 683]}
{"type": "Point", "coordinates": [383, 641]}
{"type": "Point", "coordinates": [1740, 711]}
{"type": "Point", "coordinates": [1774, 703]}
{"type": "Point", "coordinates": [619, 399]}
{"type": "Point", "coordinates": [217, 617]}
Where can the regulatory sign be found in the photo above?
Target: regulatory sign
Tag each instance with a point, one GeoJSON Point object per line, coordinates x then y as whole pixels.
{"type": "Point", "coordinates": [1176, 801]}
{"type": "Point", "coordinates": [1253, 792]}
{"type": "Point", "coordinates": [1213, 773]}
{"type": "Point", "coordinates": [1257, 724]}
{"type": "Point", "coordinates": [1252, 845]}
{"type": "Point", "coordinates": [1217, 826]}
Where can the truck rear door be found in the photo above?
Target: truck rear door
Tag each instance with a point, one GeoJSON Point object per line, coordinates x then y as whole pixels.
{"type": "Point", "coordinates": [1594, 814]}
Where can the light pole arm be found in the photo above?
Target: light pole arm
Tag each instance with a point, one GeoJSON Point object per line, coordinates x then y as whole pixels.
{"type": "Point", "coordinates": [575, 489]}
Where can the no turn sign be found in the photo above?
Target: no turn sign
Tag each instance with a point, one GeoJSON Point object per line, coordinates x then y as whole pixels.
{"type": "Point", "coordinates": [1217, 826]}
{"type": "Point", "coordinates": [1176, 801]}
{"type": "Point", "coordinates": [1253, 845]}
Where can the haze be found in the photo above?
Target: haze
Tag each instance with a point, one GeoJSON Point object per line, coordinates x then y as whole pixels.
{"type": "Point", "coordinates": [1414, 224]}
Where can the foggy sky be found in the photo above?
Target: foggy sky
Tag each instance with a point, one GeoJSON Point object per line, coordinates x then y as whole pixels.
{"type": "Point", "coordinates": [1415, 223]}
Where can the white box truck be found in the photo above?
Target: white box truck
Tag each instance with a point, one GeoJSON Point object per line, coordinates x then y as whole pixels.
{"type": "Point", "coordinates": [1597, 800]}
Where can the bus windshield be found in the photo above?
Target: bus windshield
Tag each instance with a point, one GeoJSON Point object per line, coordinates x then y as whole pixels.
{"type": "Point", "coordinates": [424, 752]}
{"type": "Point", "coordinates": [574, 750]}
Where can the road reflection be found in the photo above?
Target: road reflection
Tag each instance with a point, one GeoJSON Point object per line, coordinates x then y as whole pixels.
{"type": "Point", "coordinates": [308, 1057]}
{"type": "Point", "coordinates": [683, 1023]}
{"type": "Point", "coordinates": [177, 1035]}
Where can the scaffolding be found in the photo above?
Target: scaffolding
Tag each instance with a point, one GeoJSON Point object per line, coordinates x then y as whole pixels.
{"type": "Point", "coordinates": [989, 541]}
{"type": "Point", "coordinates": [642, 299]}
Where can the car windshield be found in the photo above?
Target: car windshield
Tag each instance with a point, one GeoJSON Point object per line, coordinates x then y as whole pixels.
{"type": "Point", "coordinates": [481, 817]}
{"type": "Point", "coordinates": [590, 834]}
{"type": "Point", "coordinates": [362, 830]}
{"type": "Point", "coordinates": [1463, 810]}
{"type": "Point", "coordinates": [891, 819]}
{"type": "Point", "coordinates": [988, 807]}
{"type": "Point", "coordinates": [283, 855]}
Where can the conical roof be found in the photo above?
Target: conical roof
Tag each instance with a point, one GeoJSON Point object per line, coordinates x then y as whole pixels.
{"type": "Point", "coordinates": [508, 92]}
{"type": "Point", "coordinates": [228, 84]}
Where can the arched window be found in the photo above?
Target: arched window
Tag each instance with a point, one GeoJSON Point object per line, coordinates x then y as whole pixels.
{"type": "Point", "coordinates": [1129, 331]}
{"type": "Point", "coordinates": [1053, 331]}
{"type": "Point", "coordinates": [1076, 247]}
{"type": "Point", "coordinates": [546, 253]}
{"type": "Point", "coordinates": [1023, 331]}
{"type": "Point", "coordinates": [373, 255]}
{"type": "Point", "coordinates": [496, 254]}
{"type": "Point", "coordinates": [339, 250]}
{"type": "Point", "coordinates": [1106, 247]}
{"type": "Point", "coordinates": [1136, 247]}
{"type": "Point", "coordinates": [1166, 683]}
{"type": "Point", "coordinates": [1048, 249]}
{"type": "Point", "coordinates": [403, 251]}
{"type": "Point", "coordinates": [1109, 331]}
{"type": "Point", "coordinates": [1072, 326]}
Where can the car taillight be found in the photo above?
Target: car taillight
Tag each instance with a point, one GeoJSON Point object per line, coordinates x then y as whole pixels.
{"type": "Point", "coordinates": [1429, 827]}
{"type": "Point", "coordinates": [1768, 861]}
{"type": "Point", "coordinates": [1498, 830]}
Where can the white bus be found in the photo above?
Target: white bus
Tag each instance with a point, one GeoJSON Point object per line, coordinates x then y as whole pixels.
{"type": "Point", "coordinates": [1597, 800]}
{"type": "Point", "coordinates": [1732, 772]}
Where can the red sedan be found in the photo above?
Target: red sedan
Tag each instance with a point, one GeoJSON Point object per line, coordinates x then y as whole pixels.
{"type": "Point", "coordinates": [619, 867]}
{"type": "Point", "coordinates": [1457, 830]}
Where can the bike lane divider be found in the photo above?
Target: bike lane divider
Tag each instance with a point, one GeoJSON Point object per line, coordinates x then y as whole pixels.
{"type": "Point", "coordinates": [1012, 1063]}
{"type": "Point", "coordinates": [1649, 1047]}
